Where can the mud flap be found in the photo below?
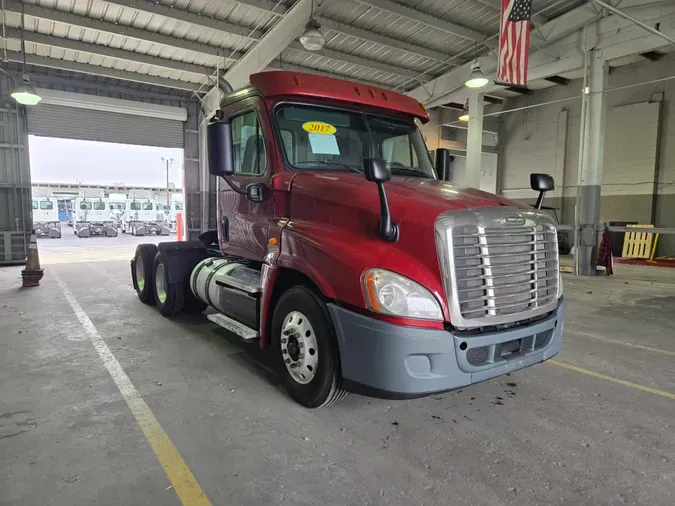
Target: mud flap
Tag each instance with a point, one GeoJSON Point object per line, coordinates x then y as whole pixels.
{"type": "Point", "coordinates": [110, 232]}
{"type": "Point", "coordinates": [83, 232]}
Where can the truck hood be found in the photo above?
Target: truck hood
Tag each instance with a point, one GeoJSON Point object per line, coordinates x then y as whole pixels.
{"type": "Point", "coordinates": [411, 199]}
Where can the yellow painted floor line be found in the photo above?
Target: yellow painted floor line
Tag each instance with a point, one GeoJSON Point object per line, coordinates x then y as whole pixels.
{"type": "Point", "coordinates": [184, 483]}
{"type": "Point", "coordinates": [613, 379]}
{"type": "Point", "coordinates": [623, 343]}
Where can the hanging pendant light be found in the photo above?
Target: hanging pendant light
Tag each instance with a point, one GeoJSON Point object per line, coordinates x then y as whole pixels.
{"type": "Point", "coordinates": [476, 79]}
{"type": "Point", "coordinates": [25, 94]}
{"type": "Point", "coordinates": [312, 39]}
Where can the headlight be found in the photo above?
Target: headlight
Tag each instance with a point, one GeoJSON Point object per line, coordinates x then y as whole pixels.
{"type": "Point", "coordinates": [392, 294]}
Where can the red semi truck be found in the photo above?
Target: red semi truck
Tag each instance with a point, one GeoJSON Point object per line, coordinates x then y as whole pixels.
{"type": "Point", "coordinates": [340, 248]}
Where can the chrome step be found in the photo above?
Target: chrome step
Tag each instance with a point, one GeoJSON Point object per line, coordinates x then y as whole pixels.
{"type": "Point", "coordinates": [246, 333]}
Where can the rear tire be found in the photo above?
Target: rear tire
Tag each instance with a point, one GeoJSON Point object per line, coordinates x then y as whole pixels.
{"type": "Point", "coordinates": [306, 348]}
{"type": "Point", "coordinates": [144, 270]}
{"type": "Point", "coordinates": [170, 297]}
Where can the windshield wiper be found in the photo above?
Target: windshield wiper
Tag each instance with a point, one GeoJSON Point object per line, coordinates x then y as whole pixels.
{"type": "Point", "coordinates": [410, 169]}
{"type": "Point", "coordinates": [331, 164]}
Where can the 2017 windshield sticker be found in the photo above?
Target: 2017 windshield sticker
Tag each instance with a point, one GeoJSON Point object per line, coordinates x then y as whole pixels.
{"type": "Point", "coordinates": [319, 127]}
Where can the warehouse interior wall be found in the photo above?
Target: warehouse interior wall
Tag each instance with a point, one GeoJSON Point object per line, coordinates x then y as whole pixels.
{"type": "Point", "coordinates": [639, 164]}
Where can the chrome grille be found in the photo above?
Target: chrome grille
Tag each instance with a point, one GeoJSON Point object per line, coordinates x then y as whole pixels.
{"type": "Point", "coordinates": [499, 273]}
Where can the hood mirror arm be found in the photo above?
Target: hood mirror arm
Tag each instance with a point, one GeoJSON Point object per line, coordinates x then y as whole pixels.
{"type": "Point", "coordinates": [388, 229]}
{"type": "Point", "coordinates": [378, 171]}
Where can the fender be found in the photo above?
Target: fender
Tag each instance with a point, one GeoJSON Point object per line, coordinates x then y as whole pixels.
{"type": "Point", "coordinates": [335, 258]}
{"type": "Point", "coordinates": [181, 257]}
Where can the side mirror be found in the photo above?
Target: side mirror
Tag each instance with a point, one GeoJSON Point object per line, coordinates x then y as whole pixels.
{"type": "Point", "coordinates": [541, 183]}
{"type": "Point", "coordinates": [442, 164]}
{"type": "Point", "coordinates": [376, 170]}
{"type": "Point", "coordinates": [219, 145]}
{"type": "Point", "coordinates": [379, 172]}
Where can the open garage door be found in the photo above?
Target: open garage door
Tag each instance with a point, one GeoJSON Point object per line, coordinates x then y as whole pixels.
{"type": "Point", "coordinates": [90, 117]}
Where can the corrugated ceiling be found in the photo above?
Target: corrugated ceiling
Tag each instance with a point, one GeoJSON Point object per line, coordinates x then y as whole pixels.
{"type": "Point", "coordinates": [403, 61]}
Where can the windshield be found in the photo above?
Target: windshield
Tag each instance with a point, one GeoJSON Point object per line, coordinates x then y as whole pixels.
{"type": "Point", "coordinates": [323, 138]}
{"type": "Point", "coordinates": [99, 205]}
{"type": "Point", "coordinates": [46, 204]}
{"type": "Point", "coordinates": [178, 206]}
{"type": "Point", "coordinates": [147, 206]}
{"type": "Point", "coordinates": [85, 206]}
{"type": "Point", "coordinates": [35, 204]}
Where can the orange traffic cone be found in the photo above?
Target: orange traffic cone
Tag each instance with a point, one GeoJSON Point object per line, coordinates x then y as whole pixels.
{"type": "Point", "coordinates": [32, 274]}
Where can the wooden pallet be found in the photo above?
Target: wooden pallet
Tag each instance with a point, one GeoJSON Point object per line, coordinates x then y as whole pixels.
{"type": "Point", "coordinates": [638, 244]}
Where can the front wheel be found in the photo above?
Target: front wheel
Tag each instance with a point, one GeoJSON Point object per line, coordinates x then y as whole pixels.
{"type": "Point", "coordinates": [305, 343]}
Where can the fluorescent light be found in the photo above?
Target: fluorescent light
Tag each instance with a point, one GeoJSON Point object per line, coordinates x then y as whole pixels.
{"type": "Point", "coordinates": [312, 39]}
{"type": "Point", "coordinates": [476, 79]}
{"type": "Point", "coordinates": [25, 94]}
{"type": "Point", "coordinates": [464, 117]}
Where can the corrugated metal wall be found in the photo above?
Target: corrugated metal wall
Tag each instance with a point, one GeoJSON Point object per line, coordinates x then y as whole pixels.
{"type": "Point", "coordinates": [15, 219]}
{"type": "Point", "coordinates": [74, 123]}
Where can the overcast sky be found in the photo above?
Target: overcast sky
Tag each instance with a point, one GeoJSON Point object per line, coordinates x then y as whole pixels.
{"type": "Point", "coordinates": [65, 161]}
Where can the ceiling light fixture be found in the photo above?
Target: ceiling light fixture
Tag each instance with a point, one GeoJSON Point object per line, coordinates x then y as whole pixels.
{"type": "Point", "coordinates": [25, 94]}
{"type": "Point", "coordinates": [312, 39]}
{"type": "Point", "coordinates": [476, 79]}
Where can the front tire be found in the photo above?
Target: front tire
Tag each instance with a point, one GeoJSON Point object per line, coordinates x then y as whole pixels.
{"type": "Point", "coordinates": [306, 347]}
{"type": "Point", "coordinates": [170, 297]}
{"type": "Point", "coordinates": [144, 260]}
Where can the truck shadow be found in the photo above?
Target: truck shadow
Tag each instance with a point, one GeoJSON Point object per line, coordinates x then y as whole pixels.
{"type": "Point", "coordinates": [256, 360]}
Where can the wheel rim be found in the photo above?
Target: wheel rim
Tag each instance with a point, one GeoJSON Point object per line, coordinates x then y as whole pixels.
{"type": "Point", "coordinates": [299, 348]}
{"type": "Point", "coordinates": [160, 283]}
{"type": "Point", "coordinates": [140, 273]}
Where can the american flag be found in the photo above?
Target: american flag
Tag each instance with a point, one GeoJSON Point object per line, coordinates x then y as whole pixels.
{"type": "Point", "coordinates": [514, 42]}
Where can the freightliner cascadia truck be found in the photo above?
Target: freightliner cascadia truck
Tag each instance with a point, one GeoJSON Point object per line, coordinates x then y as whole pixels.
{"type": "Point", "coordinates": [342, 249]}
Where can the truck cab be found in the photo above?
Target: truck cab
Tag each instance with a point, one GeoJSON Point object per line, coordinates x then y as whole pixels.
{"type": "Point", "coordinates": [341, 249]}
{"type": "Point", "coordinates": [92, 217]}
{"type": "Point", "coordinates": [144, 217]}
{"type": "Point", "coordinates": [46, 221]}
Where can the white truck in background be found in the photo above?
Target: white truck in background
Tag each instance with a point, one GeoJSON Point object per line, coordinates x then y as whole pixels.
{"type": "Point", "coordinates": [92, 217]}
{"type": "Point", "coordinates": [117, 203]}
{"type": "Point", "coordinates": [141, 218]}
{"type": "Point", "coordinates": [175, 207]}
{"type": "Point", "coordinates": [46, 221]}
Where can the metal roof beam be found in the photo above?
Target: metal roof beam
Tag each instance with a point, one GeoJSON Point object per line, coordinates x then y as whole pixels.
{"type": "Point", "coordinates": [277, 38]}
{"type": "Point", "coordinates": [555, 29]}
{"type": "Point", "coordinates": [613, 36]}
{"type": "Point", "coordinates": [562, 81]}
{"type": "Point", "coordinates": [187, 16]}
{"type": "Point", "coordinates": [361, 61]}
{"type": "Point", "coordinates": [86, 68]}
{"type": "Point", "coordinates": [383, 40]}
{"type": "Point", "coordinates": [121, 30]}
{"type": "Point", "coordinates": [97, 49]}
{"type": "Point", "coordinates": [428, 19]}
{"type": "Point", "coordinates": [42, 77]}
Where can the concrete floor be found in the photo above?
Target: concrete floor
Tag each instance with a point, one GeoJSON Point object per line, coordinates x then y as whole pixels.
{"type": "Point", "coordinates": [545, 435]}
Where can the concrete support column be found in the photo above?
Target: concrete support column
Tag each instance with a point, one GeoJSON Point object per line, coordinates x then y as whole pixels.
{"type": "Point", "coordinates": [590, 174]}
{"type": "Point", "coordinates": [474, 142]}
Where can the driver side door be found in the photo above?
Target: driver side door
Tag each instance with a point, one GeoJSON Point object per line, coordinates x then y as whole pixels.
{"type": "Point", "coordinates": [244, 224]}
